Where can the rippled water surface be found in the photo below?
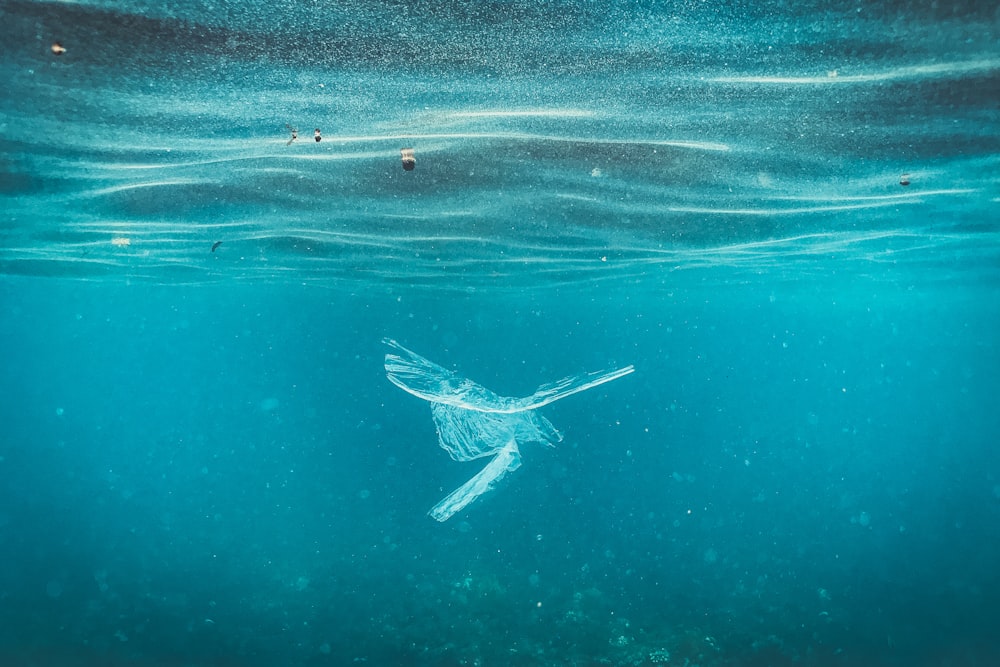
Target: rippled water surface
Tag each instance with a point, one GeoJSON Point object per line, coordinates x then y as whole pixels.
{"type": "Point", "coordinates": [554, 142]}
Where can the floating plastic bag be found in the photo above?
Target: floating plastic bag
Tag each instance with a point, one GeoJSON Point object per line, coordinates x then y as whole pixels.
{"type": "Point", "coordinates": [473, 422]}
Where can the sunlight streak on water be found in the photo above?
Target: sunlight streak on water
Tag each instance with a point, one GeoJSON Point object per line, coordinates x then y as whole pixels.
{"type": "Point", "coordinates": [921, 72]}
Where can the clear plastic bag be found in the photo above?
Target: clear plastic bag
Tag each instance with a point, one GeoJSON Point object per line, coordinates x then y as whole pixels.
{"type": "Point", "coordinates": [474, 422]}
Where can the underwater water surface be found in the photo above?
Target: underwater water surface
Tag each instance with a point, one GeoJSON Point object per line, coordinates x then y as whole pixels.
{"type": "Point", "coordinates": [783, 215]}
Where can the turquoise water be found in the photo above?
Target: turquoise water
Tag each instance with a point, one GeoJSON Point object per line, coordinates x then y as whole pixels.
{"type": "Point", "coordinates": [204, 464]}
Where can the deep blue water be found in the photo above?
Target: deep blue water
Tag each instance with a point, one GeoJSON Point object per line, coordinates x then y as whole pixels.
{"type": "Point", "coordinates": [203, 463]}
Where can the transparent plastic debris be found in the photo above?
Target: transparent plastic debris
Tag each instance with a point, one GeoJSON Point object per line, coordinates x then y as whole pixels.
{"type": "Point", "coordinates": [507, 459]}
{"type": "Point", "coordinates": [473, 422]}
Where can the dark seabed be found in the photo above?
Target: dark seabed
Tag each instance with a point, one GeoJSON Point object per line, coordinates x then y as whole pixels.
{"type": "Point", "coordinates": [785, 215]}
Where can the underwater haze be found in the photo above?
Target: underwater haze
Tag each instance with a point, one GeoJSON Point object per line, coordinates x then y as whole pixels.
{"type": "Point", "coordinates": [783, 214]}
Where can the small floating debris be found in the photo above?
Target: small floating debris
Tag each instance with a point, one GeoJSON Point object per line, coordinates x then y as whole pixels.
{"type": "Point", "coordinates": [295, 134]}
{"type": "Point", "coordinates": [216, 245]}
{"type": "Point", "coordinates": [121, 241]}
{"type": "Point", "coordinates": [409, 159]}
{"type": "Point", "coordinates": [904, 180]}
{"type": "Point", "coordinates": [317, 135]}
{"type": "Point", "coordinates": [58, 49]}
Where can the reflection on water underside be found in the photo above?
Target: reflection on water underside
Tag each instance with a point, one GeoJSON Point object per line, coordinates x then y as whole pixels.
{"type": "Point", "coordinates": [615, 158]}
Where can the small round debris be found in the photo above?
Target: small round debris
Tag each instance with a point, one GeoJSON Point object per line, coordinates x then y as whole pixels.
{"type": "Point", "coordinates": [409, 160]}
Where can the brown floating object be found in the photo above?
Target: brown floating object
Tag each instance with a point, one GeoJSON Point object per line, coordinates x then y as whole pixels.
{"type": "Point", "coordinates": [409, 160]}
{"type": "Point", "coordinates": [904, 180]}
{"type": "Point", "coordinates": [317, 135]}
{"type": "Point", "coordinates": [58, 49]}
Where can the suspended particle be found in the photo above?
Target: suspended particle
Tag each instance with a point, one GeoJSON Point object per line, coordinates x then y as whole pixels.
{"type": "Point", "coordinates": [409, 160]}
{"type": "Point", "coordinates": [121, 241]}
{"type": "Point", "coordinates": [317, 135]}
{"type": "Point", "coordinates": [904, 180]}
{"type": "Point", "coordinates": [295, 134]}
{"type": "Point", "coordinates": [58, 49]}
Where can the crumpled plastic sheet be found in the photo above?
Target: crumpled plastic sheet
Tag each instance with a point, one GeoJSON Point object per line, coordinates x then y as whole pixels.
{"type": "Point", "coordinates": [473, 422]}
